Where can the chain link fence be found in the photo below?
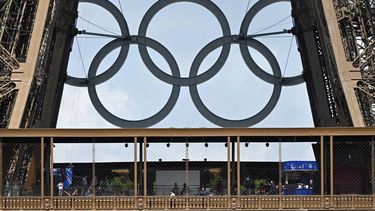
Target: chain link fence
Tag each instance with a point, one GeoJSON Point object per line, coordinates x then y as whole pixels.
{"type": "Point", "coordinates": [180, 167]}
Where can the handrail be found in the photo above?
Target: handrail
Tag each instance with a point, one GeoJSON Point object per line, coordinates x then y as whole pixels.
{"type": "Point", "coordinates": [247, 202]}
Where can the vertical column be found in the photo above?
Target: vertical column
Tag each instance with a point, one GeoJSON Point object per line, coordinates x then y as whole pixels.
{"type": "Point", "coordinates": [228, 166]}
{"type": "Point", "coordinates": [135, 168]}
{"type": "Point", "coordinates": [42, 167]}
{"type": "Point", "coordinates": [331, 166]}
{"type": "Point", "coordinates": [51, 168]}
{"type": "Point", "coordinates": [93, 180]}
{"type": "Point", "coordinates": [280, 174]}
{"type": "Point", "coordinates": [238, 168]}
{"type": "Point", "coordinates": [373, 164]}
{"type": "Point", "coordinates": [140, 167]}
{"type": "Point", "coordinates": [1, 167]}
{"type": "Point", "coordinates": [145, 170]}
{"type": "Point", "coordinates": [187, 169]}
{"type": "Point", "coordinates": [322, 167]}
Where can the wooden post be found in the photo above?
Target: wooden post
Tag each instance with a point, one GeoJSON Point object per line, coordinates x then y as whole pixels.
{"type": "Point", "coordinates": [135, 168]}
{"type": "Point", "coordinates": [373, 165]}
{"type": "Point", "coordinates": [228, 166]}
{"type": "Point", "coordinates": [42, 167]}
{"type": "Point", "coordinates": [280, 174]}
{"type": "Point", "coordinates": [145, 171]}
{"type": "Point", "coordinates": [1, 167]}
{"type": "Point", "coordinates": [331, 167]}
{"type": "Point", "coordinates": [51, 169]}
{"type": "Point", "coordinates": [93, 180]}
{"type": "Point", "coordinates": [322, 166]}
{"type": "Point", "coordinates": [238, 168]}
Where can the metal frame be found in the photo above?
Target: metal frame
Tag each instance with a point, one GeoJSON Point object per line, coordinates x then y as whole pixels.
{"type": "Point", "coordinates": [236, 201]}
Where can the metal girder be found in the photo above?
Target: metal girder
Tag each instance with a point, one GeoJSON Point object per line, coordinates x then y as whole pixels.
{"type": "Point", "coordinates": [8, 59]}
{"type": "Point", "coordinates": [356, 19]}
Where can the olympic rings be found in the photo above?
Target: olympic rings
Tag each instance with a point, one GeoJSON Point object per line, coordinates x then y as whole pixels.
{"type": "Point", "coordinates": [175, 79]}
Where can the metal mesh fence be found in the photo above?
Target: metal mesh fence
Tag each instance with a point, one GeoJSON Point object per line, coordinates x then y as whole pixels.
{"type": "Point", "coordinates": [248, 166]}
{"type": "Point", "coordinates": [351, 166]}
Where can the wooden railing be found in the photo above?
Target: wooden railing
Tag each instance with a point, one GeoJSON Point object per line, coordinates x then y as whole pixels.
{"type": "Point", "coordinates": [192, 202]}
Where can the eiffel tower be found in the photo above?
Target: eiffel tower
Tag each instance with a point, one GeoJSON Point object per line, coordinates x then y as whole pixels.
{"type": "Point", "coordinates": [336, 44]}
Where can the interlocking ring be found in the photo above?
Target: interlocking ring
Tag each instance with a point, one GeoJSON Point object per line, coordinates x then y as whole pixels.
{"type": "Point", "coordinates": [185, 81]}
{"type": "Point", "coordinates": [257, 117]}
{"type": "Point", "coordinates": [138, 123]}
{"type": "Point", "coordinates": [285, 81]}
{"type": "Point", "coordinates": [106, 75]}
{"type": "Point", "coordinates": [194, 79]}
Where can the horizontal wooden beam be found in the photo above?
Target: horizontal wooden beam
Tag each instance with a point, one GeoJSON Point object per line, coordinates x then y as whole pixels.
{"type": "Point", "coordinates": [196, 132]}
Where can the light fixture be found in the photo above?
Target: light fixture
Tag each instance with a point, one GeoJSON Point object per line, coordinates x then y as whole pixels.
{"type": "Point", "coordinates": [205, 159]}
{"type": "Point", "coordinates": [168, 145]}
{"type": "Point", "coordinates": [187, 144]}
{"type": "Point", "coordinates": [247, 144]}
{"type": "Point", "coordinates": [160, 160]}
{"type": "Point", "coordinates": [126, 145]}
{"type": "Point", "coordinates": [147, 145]}
{"type": "Point", "coordinates": [206, 144]}
{"type": "Point", "coordinates": [226, 144]}
{"type": "Point", "coordinates": [267, 144]}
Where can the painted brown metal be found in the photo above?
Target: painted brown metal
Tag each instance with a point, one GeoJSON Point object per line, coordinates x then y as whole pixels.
{"type": "Point", "coordinates": [228, 166]}
{"type": "Point", "coordinates": [42, 166]}
{"type": "Point", "coordinates": [373, 165]}
{"type": "Point", "coordinates": [198, 132]}
{"type": "Point", "coordinates": [51, 169]}
{"type": "Point", "coordinates": [238, 167]}
{"type": "Point", "coordinates": [331, 168]}
{"type": "Point", "coordinates": [322, 167]}
{"type": "Point", "coordinates": [144, 170]}
{"type": "Point", "coordinates": [135, 168]}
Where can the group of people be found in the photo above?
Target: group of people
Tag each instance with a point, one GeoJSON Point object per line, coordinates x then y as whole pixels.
{"type": "Point", "coordinates": [176, 191]}
{"type": "Point", "coordinates": [186, 191]}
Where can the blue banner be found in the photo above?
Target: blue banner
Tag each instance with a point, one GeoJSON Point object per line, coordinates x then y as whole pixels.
{"type": "Point", "coordinates": [300, 166]}
{"type": "Point", "coordinates": [69, 177]}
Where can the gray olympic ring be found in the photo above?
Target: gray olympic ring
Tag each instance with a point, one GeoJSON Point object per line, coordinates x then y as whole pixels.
{"type": "Point", "coordinates": [255, 118]}
{"type": "Point", "coordinates": [212, 71]}
{"type": "Point", "coordinates": [259, 72]}
{"type": "Point", "coordinates": [194, 79]}
{"type": "Point", "coordinates": [120, 19]}
{"type": "Point", "coordinates": [136, 123]}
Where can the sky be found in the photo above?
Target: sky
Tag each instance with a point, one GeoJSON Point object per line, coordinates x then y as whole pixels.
{"type": "Point", "coordinates": [184, 28]}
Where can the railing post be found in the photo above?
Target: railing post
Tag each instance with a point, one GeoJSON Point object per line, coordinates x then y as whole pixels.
{"type": "Point", "coordinates": [1, 170]}
{"type": "Point", "coordinates": [373, 166]}
{"type": "Point", "coordinates": [228, 170]}
{"type": "Point", "coordinates": [238, 171]}
{"type": "Point", "coordinates": [93, 180]}
{"type": "Point", "coordinates": [51, 172]}
{"type": "Point", "coordinates": [42, 167]}
{"type": "Point", "coordinates": [135, 168]}
{"type": "Point", "coordinates": [145, 173]}
{"type": "Point", "coordinates": [280, 175]}
{"type": "Point", "coordinates": [331, 169]}
{"type": "Point", "coordinates": [322, 166]}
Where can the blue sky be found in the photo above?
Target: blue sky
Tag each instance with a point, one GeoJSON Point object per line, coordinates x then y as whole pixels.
{"type": "Point", "coordinates": [185, 28]}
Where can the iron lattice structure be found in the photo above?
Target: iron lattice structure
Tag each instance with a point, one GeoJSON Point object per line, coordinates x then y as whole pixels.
{"type": "Point", "coordinates": [336, 40]}
{"type": "Point", "coordinates": [35, 38]}
{"type": "Point", "coordinates": [34, 54]}
{"type": "Point", "coordinates": [356, 19]}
